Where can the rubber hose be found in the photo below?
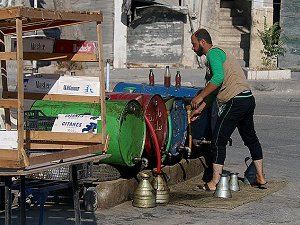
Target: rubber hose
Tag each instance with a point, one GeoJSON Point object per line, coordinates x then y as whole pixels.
{"type": "Point", "coordinates": [170, 132]}
{"type": "Point", "coordinates": [156, 145]}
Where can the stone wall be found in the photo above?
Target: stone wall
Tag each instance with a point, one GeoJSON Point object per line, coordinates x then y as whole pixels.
{"type": "Point", "coordinates": [290, 20]}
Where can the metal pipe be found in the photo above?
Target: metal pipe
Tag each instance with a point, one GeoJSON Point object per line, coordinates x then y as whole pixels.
{"type": "Point", "coordinates": [22, 201]}
{"type": "Point", "coordinates": [144, 161]}
{"type": "Point", "coordinates": [34, 62]}
{"type": "Point", "coordinates": [156, 145]}
{"type": "Point", "coordinates": [198, 142]}
{"type": "Point", "coordinates": [107, 74]}
{"type": "Point", "coordinates": [8, 202]}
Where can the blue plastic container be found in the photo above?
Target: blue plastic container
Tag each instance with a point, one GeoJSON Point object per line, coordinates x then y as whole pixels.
{"type": "Point", "coordinates": [178, 114]}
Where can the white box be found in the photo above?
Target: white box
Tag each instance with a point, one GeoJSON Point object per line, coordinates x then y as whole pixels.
{"type": "Point", "coordinates": [75, 123]}
{"type": "Point", "coordinates": [72, 85]}
{"type": "Point", "coordinates": [34, 43]}
{"type": "Point", "coordinates": [9, 139]}
{"type": "Point", "coordinates": [39, 83]}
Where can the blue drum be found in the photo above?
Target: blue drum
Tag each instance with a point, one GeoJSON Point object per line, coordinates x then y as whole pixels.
{"type": "Point", "coordinates": [178, 125]}
{"type": "Point", "coordinates": [183, 92]}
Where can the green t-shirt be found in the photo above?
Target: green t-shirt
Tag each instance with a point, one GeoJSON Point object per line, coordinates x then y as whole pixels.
{"type": "Point", "coordinates": [215, 58]}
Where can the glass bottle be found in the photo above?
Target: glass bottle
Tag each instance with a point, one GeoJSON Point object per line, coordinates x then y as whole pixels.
{"type": "Point", "coordinates": [178, 79]}
{"type": "Point", "coordinates": [167, 77]}
{"type": "Point", "coordinates": [151, 78]}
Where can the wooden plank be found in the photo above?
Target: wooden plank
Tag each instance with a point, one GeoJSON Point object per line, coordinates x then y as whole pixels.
{"type": "Point", "coordinates": [8, 55]}
{"type": "Point", "coordinates": [66, 154]}
{"type": "Point", "coordinates": [9, 164]}
{"type": "Point", "coordinates": [102, 80]}
{"type": "Point", "coordinates": [20, 81]}
{"type": "Point", "coordinates": [47, 166]}
{"type": "Point", "coordinates": [39, 26]}
{"type": "Point", "coordinates": [45, 14]}
{"type": "Point", "coordinates": [62, 137]}
{"type": "Point", "coordinates": [9, 103]}
{"type": "Point", "coordinates": [8, 154]}
{"type": "Point", "coordinates": [4, 82]}
{"type": "Point", "coordinates": [54, 146]}
{"type": "Point", "coordinates": [80, 57]}
{"type": "Point", "coordinates": [54, 97]}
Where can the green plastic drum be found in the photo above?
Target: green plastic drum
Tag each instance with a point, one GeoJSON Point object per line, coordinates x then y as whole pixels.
{"type": "Point", "coordinates": [125, 125]}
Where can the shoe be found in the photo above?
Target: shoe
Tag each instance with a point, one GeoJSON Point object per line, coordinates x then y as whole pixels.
{"type": "Point", "coordinates": [205, 188]}
{"type": "Point", "coordinates": [260, 186]}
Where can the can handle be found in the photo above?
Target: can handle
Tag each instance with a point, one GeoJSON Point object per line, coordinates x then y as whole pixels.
{"type": "Point", "coordinates": [246, 160]}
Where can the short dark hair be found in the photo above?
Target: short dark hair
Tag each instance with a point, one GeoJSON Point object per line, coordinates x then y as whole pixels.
{"type": "Point", "coordinates": [203, 34]}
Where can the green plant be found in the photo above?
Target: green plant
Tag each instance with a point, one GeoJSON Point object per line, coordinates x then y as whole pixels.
{"type": "Point", "coordinates": [273, 45]}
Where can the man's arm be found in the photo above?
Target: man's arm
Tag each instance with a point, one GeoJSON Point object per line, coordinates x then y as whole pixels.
{"type": "Point", "coordinates": [215, 57]}
{"type": "Point", "coordinates": [209, 88]}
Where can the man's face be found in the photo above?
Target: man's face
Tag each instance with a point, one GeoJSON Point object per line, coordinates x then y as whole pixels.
{"type": "Point", "coordinates": [197, 46]}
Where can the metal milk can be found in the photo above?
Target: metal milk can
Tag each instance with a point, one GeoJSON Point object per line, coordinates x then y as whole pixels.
{"type": "Point", "coordinates": [162, 190]}
{"type": "Point", "coordinates": [144, 195]}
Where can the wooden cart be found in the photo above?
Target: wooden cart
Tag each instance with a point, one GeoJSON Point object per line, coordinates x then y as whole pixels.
{"type": "Point", "coordinates": [76, 148]}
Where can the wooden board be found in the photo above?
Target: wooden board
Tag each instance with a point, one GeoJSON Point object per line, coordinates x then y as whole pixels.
{"type": "Point", "coordinates": [9, 154]}
{"type": "Point", "coordinates": [54, 97]}
{"type": "Point", "coordinates": [62, 137]}
{"type": "Point", "coordinates": [67, 154]}
{"type": "Point", "coordinates": [35, 19]}
{"type": "Point", "coordinates": [80, 57]}
{"type": "Point", "coordinates": [9, 103]}
{"type": "Point", "coordinates": [51, 165]}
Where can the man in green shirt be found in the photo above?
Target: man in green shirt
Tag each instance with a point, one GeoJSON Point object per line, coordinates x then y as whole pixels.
{"type": "Point", "coordinates": [236, 106]}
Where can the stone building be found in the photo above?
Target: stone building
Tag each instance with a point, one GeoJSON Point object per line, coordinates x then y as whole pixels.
{"type": "Point", "coordinates": [155, 33]}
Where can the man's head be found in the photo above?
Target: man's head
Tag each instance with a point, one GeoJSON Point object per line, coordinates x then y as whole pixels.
{"type": "Point", "coordinates": [201, 42]}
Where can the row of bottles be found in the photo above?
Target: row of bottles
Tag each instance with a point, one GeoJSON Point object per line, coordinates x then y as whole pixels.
{"type": "Point", "coordinates": [167, 78]}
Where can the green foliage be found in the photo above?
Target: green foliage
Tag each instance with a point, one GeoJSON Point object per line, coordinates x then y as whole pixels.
{"type": "Point", "coordinates": [273, 45]}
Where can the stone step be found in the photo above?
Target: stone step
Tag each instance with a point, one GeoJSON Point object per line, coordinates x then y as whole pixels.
{"type": "Point", "coordinates": [227, 4]}
{"type": "Point", "coordinates": [229, 12]}
{"type": "Point", "coordinates": [236, 21]}
{"type": "Point", "coordinates": [233, 29]}
{"type": "Point", "coordinates": [236, 44]}
{"type": "Point", "coordinates": [234, 37]}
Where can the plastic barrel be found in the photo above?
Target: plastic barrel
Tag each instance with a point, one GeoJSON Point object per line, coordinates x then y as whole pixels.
{"type": "Point", "coordinates": [178, 115]}
{"type": "Point", "coordinates": [155, 110]}
{"type": "Point", "coordinates": [125, 125]}
{"type": "Point", "coordinates": [201, 128]}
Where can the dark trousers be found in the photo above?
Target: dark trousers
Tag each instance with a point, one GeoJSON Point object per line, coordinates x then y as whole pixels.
{"type": "Point", "coordinates": [237, 112]}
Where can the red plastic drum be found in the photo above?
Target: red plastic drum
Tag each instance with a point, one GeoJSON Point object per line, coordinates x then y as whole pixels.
{"type": "Point", "coordinates": [155, 110]}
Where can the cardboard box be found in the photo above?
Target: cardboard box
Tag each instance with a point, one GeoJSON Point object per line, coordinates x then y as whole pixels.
{"type": "Point", "coordinates": [72, 85]}
{"type": "Point", "coordinates": [9, 139]}
{"type": "Point", "coordinates": [34, 43]}
{"type": "Point", "coordinates": [75, 46]}
{"type": "Point", "coordinates": [66, 85]}
{"type": "Point", "coordinates": [75, 123]}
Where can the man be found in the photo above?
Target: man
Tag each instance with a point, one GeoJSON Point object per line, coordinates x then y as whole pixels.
{"type": "Point", "coordinates": [236, 106]}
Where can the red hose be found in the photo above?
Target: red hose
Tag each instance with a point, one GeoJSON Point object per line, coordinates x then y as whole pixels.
{"type": "Point", "coordinates": [156, 145]}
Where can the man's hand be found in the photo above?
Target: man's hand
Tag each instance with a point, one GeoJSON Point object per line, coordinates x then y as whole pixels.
{"type": "Point", "coordinates": [196, 101]}
{"type": "Point", "coordinates": [197, 112]}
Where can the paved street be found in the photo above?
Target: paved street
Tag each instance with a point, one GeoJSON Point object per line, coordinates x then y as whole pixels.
{"type": "Point", "coordinates": [278, 127]}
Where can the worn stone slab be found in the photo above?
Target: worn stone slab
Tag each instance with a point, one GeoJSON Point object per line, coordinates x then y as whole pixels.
{"type": "Point", "coordinates": [112, 193]}
{"type": "Point", "coordinates": [267, 74]}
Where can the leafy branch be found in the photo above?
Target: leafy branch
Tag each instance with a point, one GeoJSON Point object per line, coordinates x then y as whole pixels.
{"type": "Point", "coordinates": [273, 45]}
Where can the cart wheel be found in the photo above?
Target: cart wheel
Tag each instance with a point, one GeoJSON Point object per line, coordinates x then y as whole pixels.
{"type": "Point", "coordinates": [90, 200]}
